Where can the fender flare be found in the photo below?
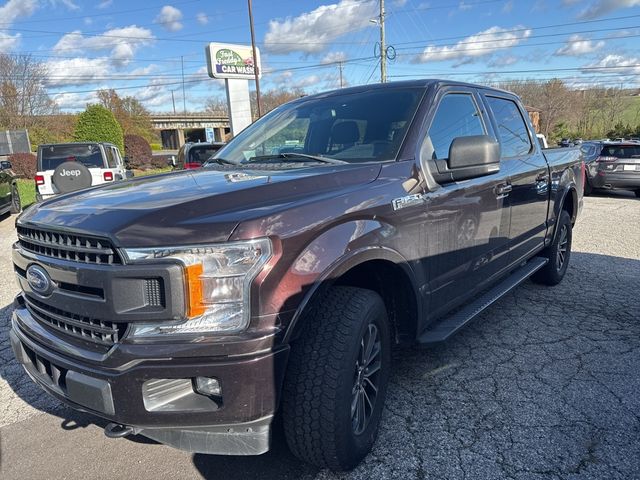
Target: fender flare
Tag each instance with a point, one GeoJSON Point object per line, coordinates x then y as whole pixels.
{"type": "Point", "coordinates": [341, 266]}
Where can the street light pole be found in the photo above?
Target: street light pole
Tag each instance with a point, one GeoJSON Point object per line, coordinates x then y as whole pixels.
{"type": "Point", "coordinates": [255, 60]}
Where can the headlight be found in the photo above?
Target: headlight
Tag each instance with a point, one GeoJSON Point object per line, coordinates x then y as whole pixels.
{"type": "Point", "coordinates": [217, 283]}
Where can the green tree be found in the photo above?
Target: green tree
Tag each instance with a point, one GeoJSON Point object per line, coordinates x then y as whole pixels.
{"type": "Point", "coordinates": [97, 124]}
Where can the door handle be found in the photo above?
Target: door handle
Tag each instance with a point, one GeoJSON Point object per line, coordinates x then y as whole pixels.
{"type": "Point", "coordinates": [543, 177]}
{"type": "Point", "coordinates": [503, 189]}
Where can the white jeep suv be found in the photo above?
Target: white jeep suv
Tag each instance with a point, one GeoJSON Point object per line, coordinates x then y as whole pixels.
{"type": "Point", "coordinates": [67, 167]}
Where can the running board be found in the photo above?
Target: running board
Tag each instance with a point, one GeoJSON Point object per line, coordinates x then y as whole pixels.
{"type": "Point", "coordinates": [448, 326]}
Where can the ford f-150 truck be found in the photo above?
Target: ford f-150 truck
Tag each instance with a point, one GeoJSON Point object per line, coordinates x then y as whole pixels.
{"type": "Point", "coordinates": [192, 307]}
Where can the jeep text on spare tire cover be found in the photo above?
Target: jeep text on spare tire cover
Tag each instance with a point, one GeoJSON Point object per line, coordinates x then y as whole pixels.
{"type": "Point", "coordinates": [71, 176]}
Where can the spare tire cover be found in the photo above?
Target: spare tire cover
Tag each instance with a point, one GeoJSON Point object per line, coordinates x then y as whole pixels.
{"type": "Point", "coordinates": [71, 176]}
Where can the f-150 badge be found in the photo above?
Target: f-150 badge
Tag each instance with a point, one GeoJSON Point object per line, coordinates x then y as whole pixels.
{"type": "Point", "coordinates": [407, 201]}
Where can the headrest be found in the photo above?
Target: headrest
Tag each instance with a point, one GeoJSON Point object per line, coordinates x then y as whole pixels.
{"type": "Point", "coordinates": [345, 132]}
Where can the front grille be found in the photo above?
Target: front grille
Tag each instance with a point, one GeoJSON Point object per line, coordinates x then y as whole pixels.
{"type": "Point", "coordinates": [154, 292]}
{"type": "Point", "coordinates": [100, 332]}
{"type": "Point", "coordinates": [55, 376]}
{"type": "Point", "coordinates": [77, 248]}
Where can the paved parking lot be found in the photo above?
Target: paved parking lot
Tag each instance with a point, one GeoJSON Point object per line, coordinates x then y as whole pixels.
{"type": "Point", "coordinates": [545, 385]}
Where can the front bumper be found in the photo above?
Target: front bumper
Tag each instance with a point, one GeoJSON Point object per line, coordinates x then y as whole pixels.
{"type": "Point", "coordinates": [237, 423]}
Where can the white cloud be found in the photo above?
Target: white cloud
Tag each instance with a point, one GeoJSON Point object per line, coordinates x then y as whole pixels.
{"type": "Point", "coordinates": [578, 46]}
{"type": "Point", "coordinates": [600, 8]}
{"type": "Point", "coordinates": [399, 3]}
{"type": "Point", "coordinates": [104, 4]}
{"type": "Point", "coordinates": [9, 13]}
{"type": "Point", "coordinates": [504, 61]}
{"type": "Point", "coordinates": [123, 43]}
{"type": "Point", "coordinates": [76, 71]}
{"type": "Point", "coordinates": [617, 64]}
{"type": "Point", "coordinates": [334, 57]}
{"type": "Point", "coordinates": [202, 18]}
{"type": "Point", "coordinates": [169, 17]}
{"type": "Point", "coordinates": [74, 101]}
{"type": "Point", "coordinates": [8, 42]}
{"type": "Point", "coordinates": [312, 32]}
{"type": "Point", "coordinates": [481, 44]}
{"type": "Point", "coordinates": [70, 4]}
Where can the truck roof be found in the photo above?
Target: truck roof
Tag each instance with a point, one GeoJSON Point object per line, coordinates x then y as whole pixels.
{"type": "Point", "coordinates": [107, 144]}
{"type": "Point", "coordinates": [420, 83]}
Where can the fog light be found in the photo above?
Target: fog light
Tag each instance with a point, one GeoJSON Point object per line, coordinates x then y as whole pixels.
{"type": "Point", "coordinates": [208, 386]}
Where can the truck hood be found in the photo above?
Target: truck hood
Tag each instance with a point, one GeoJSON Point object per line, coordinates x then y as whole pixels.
{"type": "Point", "coordinates": [190, 207]}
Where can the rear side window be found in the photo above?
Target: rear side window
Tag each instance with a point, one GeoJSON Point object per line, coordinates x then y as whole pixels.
{"type": "Point", "coordinates": [53, 155]}
{"type": "Point", "coordinates": [457, 116]}
{"type": "Point", "coordinates": [111, 162]}
{"type": "Point", "coordinates": [512, 129]}
{"type": "Point", "coordinates": [201, 154]}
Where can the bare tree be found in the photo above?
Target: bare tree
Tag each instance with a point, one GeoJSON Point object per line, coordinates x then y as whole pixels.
{"type": "Point", "coordinates": [23, 96]}
{"type": "Point", "coordinates": [130, 113]}
{"type": "Point", "coordinates": [216, 105]}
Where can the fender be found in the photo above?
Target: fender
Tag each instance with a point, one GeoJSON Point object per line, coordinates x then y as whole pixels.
{"type": "Point", "coordinates": [346, 254]}
{"type": "Point", "coordinates": [562, 187]}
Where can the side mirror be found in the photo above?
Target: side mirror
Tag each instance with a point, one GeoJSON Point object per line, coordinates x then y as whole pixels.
{"type": "Point", "coordinates": [473, 156]}
{"type": "Point", "coordinates": [5, 165]}
{"type": "Point", "coordinates": [172, 161]}
{"type": "Point", "coordinates": [126, 161]}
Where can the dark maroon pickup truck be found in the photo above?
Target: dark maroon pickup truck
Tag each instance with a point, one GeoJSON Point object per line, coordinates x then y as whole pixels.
{"type": "Point", "coordinates": [193, 307]}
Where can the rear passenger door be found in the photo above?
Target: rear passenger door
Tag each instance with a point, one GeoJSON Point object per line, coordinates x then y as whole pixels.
{"type": "Point", "coordinates": [467, 221]}
{"type": "Point", "coordinates": [528, 176]}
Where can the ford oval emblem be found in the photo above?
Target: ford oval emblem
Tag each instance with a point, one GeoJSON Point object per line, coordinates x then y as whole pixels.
{"type": "Point", "coordinates": [39, 280]}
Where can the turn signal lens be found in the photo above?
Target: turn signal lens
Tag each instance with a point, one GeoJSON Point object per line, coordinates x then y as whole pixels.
{"type": "Point", "coordinates": [193, 279]}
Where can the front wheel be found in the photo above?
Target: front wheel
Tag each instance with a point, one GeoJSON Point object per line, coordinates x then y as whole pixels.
{"type": "Point", "coordinates": [337, 379]}
{"type": "Point", "coordinates": [16, 204]}
{"type": "Point", "coordinates": [558, 253]}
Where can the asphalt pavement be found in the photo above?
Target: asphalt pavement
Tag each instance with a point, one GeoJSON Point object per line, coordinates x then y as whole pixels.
{"type": "Point", "coordinates": [545, 384]}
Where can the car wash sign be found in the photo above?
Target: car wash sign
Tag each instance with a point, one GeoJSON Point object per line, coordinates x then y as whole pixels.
{"type": "Point", "coordinates": [231, 61]}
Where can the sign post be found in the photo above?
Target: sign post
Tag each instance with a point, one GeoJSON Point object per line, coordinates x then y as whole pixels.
{"type": "Point", "coordinates": [234, 63]}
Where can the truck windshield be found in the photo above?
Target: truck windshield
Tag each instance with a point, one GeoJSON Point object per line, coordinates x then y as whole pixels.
{"type": "Point", "coordinates": [53, 155]}
{"type": "Point", "coordinates": [355, 127]}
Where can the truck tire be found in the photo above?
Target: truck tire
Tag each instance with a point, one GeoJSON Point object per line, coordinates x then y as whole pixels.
{"type": "Point", "coordinates": [331, 408]}
{"type": "Point", "coordinates": [16, 204]}
{"type": "Point", "coordinates": [558, 254]}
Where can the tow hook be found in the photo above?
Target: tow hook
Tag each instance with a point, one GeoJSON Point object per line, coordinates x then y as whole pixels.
{"type": "Point", "coordinates": [116, 430]}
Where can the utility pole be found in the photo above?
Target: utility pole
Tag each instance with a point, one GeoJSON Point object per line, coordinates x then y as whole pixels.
{"type": "Point", "coordinates": [184, 98]}
{"type": "Point", "coordinates": [383, 48]}
{"type": "Point", "coordinates": [255, 60]}
{"type": "Point", "coordinates": [173, 100]}
{"type": "Point", "coordinates": [340, 67]}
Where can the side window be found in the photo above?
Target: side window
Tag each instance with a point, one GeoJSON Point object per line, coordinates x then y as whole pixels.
{"type": "Point", "coordinates": [111, 162]}
{"type": "Point", "coordinates": [512, 129]}
{"type": "Point", "coordinates": [457, 116]}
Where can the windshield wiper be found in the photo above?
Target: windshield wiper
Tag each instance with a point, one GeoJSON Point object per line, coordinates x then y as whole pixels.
{"type": "Point", "coordinates": [294, 155]}
{"type": "Point", "coordinates": [219, 161]}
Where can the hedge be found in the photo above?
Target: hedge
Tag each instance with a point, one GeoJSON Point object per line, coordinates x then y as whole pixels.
{"type": "Point", "coordinates": [97, 124]}
{"type": "Point", "coordinates": [23, 164]}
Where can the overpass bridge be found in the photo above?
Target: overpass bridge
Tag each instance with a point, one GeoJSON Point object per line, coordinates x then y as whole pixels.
{"type": "Point", "coordinates": [176, 129]}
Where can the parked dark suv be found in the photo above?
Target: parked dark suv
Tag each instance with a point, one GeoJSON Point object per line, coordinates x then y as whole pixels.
{"type": "Point", "coordinates": [194, 155]}
{"type": "Point", "coordinates": [193, 307]}
{"type": "Point", "coordinates": [612, 165]}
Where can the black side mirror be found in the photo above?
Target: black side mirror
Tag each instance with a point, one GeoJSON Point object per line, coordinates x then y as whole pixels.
{"type": "Point", "coordinates": [473, 156]}
{"type": "Point", "coordinates": [126, 161]}
{"type": "Point", "coordinates": [5, 165]}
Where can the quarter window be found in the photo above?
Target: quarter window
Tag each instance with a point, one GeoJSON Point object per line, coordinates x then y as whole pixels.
{"type": "Point", "coordinates": [457, 116]}
{"type": "Point", "coordinates": [512, 129]}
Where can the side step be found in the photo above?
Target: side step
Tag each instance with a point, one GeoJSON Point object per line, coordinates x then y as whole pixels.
{"type": "Point", "coordinates": [445, 328]}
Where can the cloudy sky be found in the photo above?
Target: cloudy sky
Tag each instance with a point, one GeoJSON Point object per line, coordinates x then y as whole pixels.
{"type": "Point", "coordinates": [138, 47]}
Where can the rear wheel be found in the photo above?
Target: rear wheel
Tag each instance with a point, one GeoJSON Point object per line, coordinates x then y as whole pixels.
{"type": "Point", "coordinates": [337, 379]}
{"type": "Point", "coordinates": [558, 253]}
{"type": "Point", "coordinates": [16, 204]}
